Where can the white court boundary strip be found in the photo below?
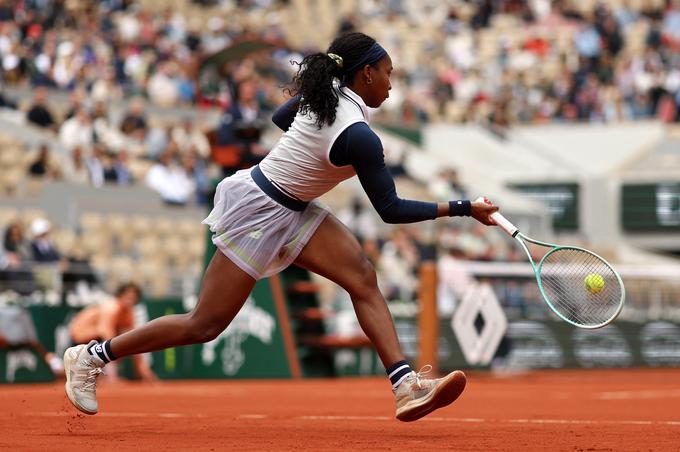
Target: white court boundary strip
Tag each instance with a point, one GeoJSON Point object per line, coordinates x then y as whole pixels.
{"type": "Point", "coordinates": [466, 420]}
{"type": "Point", "coordinates": [625, 395]}
{"type": "Point", "coordinates": [107, 414]}
{"type": "Point", "coordinates": [493, 421]}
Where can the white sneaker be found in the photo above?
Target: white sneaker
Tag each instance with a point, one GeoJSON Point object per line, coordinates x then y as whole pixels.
{"type": "Point", "coordinates": [417, 396]}
{"type": "Point", "coordinates": [82, 370]}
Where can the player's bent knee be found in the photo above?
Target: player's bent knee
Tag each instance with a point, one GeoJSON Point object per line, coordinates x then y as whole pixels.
{"type": "Point", "coordinates": [200, 331]}
{"type": "Point", "coordinates": [364, 280]}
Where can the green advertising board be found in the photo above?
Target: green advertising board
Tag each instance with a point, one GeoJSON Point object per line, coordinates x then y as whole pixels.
{"type": "Point", "coordinates": [251, 347]}
{"type": "Point", "coordinates": [562, 200]}
{"type": "Point", "coordinates": [531, 344]}
{"type": "Point", "coordinates": [651, 207]}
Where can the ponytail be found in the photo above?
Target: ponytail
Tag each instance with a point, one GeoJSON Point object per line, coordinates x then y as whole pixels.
{"type": "Point", "coordinates": [317, 72]}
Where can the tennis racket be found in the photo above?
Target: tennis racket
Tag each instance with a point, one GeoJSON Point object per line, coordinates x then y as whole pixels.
{"type": "Point", "coordinates": [581, 287]}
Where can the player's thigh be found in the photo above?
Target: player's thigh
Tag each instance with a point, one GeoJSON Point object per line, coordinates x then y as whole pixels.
{"type": "Point", "coordinates": [334, 253]}
{"type": "Point", "coordinates": [224, 289]}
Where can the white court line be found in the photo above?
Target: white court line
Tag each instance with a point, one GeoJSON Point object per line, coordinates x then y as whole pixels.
{"type": "Point", "coordinates": [549, 421]}
{"type": "Point", "coordinates": [253, 416]}
{"type": "Point", "coordinates": [492, 421]}
{"type": "Point", "coordinates": [345, 418]}
{"type": "Point", "coordinates": [107, 414]}
{"type": "Point", "coordinates": [473, 420]}
{"type": "Point", "coordinates": [623, 395]}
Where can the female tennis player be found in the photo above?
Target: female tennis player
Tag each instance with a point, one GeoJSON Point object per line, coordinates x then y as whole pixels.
{"type": "Point", "coordinates": [267, 217]}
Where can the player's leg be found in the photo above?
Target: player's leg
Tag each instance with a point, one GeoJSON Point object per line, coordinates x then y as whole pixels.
{"type": "Point", "coordinates": [224, 290]}
{"type": "Point", "coordinates": [334, 252]}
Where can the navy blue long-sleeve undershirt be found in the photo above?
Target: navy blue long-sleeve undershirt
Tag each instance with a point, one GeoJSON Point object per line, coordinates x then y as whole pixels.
{"type": "Point", "coordinates": [360, 147]}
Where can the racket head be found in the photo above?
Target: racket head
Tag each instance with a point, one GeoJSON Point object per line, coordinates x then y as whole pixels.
{"type": "Point", "coordinates": [581, 287]}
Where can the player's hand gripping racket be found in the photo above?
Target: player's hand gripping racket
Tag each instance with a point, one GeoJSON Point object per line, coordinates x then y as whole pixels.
{"type": "Point", "coordinates": [579, 286]}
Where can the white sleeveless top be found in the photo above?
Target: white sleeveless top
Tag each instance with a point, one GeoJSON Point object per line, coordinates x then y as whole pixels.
{"type": "Point", "coordinates": [299, 163]}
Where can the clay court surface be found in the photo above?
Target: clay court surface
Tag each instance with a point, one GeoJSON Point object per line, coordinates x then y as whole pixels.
{"type": "Point", "coordinates": [637, 410]}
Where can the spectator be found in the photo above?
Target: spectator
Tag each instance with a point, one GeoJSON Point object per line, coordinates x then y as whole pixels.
{"type": "Point", "coordinates": [76, 102]}
{"type": "Point", "coordinates": [671, 25]}
{"type": "Point", "coordinates": [42, 246]}
{"type": "Point", "coordinates": [188, 137]}
{"type": "Point", "coordinates": [48, 263]}
{"type": "Point", "coordinates": [96, 166]}
{"type": "Point", "coordinates": [242, 125]}
{"type": "Point", "coordinates": [134, 123]}
{"type": "Point", "coordinates": [163, 88]}
{"type": "Point", "coordinates": [16, 247]}
{"type": "Point", "coordinates": [170, 180]}
{"type": "Point", "coordinates": [119, 172]}
{"type": "Point", "coordinates": [39, 113]}
{"type": "Point", "coordinates": [588, 41]}
{"type": "Point", "coordinates": [15, 274]}
{"type": "Point", "coordinates": [43, 167]}
{"type": "Point", "coordinates": [77, 131]}
{"type": "Point", "coordinates": [156, 141]}
{"type": "Point", "coordinates": [75, 170]}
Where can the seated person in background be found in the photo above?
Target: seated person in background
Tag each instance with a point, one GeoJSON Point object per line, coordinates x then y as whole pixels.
{"type": "Point", "coordinates": [108, 319]}
{"type": "Point", "coordinates": [15, 245]}
{"type": "Point", "coordinates": [44, 166]}
{"type": "Point", "coordinates": [18, 331]}
{"type": "Point", "coordinates": [75, 169]}
{"type": "Point", "coordinates": [118, 170]}
{"type": "Point", "coordinates": [134, 122]}
{"type": "Point", "coordinates": [39, 113]}
{"type": "Point", "coordinates": [16, 252]}
{"type": "Point", "coordinates": [44, 250]}
{"type": "Point", "coordinates": [170, 180]}
{"type": "Point", "coordinates": [241, 127]}
{"type": "Point", "coordinates": [189, 137]}
{"type": "Point", "coordinates": [48, 262]}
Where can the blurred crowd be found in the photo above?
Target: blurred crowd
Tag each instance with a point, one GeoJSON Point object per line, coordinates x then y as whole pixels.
{"type": "Point", "coordinates": [498, 62]}
{"type": "Point", "coordinates": [30, 260]}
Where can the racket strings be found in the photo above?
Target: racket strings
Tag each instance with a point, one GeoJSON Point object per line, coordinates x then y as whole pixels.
{"type": "Point", "coordinates": [565, 274]}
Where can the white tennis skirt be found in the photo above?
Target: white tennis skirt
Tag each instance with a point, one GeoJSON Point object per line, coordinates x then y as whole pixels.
{"type": "Point", "coordinates": [258, 234]}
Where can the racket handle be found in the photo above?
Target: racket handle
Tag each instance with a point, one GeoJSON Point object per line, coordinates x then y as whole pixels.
{"type": "Point", "coordinates": [500, 220]}
{"type": "Point", "coordinates": [505, 224]}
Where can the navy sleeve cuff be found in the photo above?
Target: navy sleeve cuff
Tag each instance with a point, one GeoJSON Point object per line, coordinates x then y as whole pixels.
{"type": "Point", "coordinates": [461, 208]}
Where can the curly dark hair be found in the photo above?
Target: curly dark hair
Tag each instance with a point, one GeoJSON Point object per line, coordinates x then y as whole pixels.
{"type": "Point", "coordinates": [314, 78]}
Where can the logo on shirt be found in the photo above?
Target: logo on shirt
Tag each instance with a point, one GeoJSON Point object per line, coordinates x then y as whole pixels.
{"type": "Point", "coordinates": [255, 234]}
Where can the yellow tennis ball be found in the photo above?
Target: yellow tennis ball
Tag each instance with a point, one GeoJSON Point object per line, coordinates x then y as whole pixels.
{"type": "Point", "coordinates": [594, 283]}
